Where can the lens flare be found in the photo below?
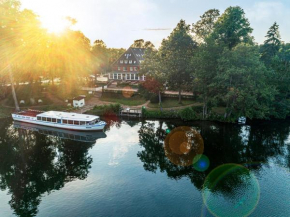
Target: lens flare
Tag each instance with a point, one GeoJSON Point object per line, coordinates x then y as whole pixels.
{"type": "Point", "coordinates": [202, 164]}
{"type": "Point", "coordinates": [127, 92]}
{"type": "Point", "coordinates": [183, 146]}
{"type": "Point", "coordinates": [231, 190]}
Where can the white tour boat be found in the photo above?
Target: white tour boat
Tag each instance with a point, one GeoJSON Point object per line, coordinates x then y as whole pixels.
{"type": "Point", "coordinates": [63, 120]}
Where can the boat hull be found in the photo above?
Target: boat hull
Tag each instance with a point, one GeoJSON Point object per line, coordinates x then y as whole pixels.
{"type": "Point", "coordinates": [32, 120]}
{"type": "Point", "coordinates": [81, 136]}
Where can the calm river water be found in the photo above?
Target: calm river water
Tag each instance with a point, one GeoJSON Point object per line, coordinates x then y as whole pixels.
{"type": "Point", "coordinates": [150, 168]}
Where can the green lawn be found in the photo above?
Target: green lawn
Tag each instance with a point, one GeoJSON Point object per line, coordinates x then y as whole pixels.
{"type": "Point", "coordinates": [173, 102]}
{"type": "Point", "coordinates": [134, 100]}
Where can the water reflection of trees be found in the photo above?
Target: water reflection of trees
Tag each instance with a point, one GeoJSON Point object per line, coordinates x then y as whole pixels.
{"type": "Point", "coordinates": [252, 146]}
{"type": "Point", "coordinates": [33, 164]}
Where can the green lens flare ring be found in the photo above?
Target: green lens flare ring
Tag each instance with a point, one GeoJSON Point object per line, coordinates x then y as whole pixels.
{"type": "Point", "coordinates": [231, 190]}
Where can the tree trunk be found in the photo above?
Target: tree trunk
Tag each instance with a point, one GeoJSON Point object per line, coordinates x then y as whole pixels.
{"type": "Point", "coordinates": [159, 94]}
{"type": "Point", "coordinates": [13, 89]}
{"type": "Point", "coordinates": [179, 93]}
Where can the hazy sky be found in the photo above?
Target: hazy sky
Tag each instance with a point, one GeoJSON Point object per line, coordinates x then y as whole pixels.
{"type": "Point", "coordinates": [119, 22]}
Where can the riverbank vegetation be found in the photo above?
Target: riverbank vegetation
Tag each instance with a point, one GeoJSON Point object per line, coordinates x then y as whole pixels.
{"type": "Point", "coordinates": [171, 102]}
{"type": "Point", "coordinates": [107, 110]}
{"type": "Point", "coordinates": [228, 71]}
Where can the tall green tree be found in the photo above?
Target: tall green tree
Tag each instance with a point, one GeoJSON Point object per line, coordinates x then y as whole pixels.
{"type": "Point", "coordinates": [232, 28]}
{"type": "Point", "coordinates": [272, 44]}
{"type": "Point", "coordinates": [140, 43]}
{"type": "Point", "coordinates": [176, 52]}
{"type": "Point", "coordinates": [155, 76]}
{"type": "Point", "coordinates": [280, 78]}
{"type": "Point", "coordinates": [204, 67]}
{"type": "Point", "coordinates": [100, 57]}
{"type": "Point", "coordinates": [9, 13]}
{"type": "Point", "coordinates": [205, 26]}
{"type": "Point", "coordinates": [242, 81]}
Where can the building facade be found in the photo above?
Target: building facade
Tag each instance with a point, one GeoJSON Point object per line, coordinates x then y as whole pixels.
{"type": "Point", "coordinates": [127, 67]}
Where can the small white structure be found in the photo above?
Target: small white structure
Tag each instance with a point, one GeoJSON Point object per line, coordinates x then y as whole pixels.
{"type": "Point", "coordinates": [22, 102]}
{"type": "Point", "coordinates": [242, 120]}
{"type": "Point", "coordinates": [40, 101]}
{"type": "Point", "coordinates": [79, 102]}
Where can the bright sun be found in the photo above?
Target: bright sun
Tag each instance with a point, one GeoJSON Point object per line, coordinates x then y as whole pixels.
{"type": "Point", "coordinates": [54, 24]}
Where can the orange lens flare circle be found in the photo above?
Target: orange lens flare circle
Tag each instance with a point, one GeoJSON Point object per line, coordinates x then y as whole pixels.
{"type": "Point", "coordinates": [127, 92]}
{"type": "Point", "coordinates": [183, 145]}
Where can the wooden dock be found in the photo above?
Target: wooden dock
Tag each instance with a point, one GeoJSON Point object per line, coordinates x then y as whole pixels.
{"type": "Point", "coordinates": [131, 112]}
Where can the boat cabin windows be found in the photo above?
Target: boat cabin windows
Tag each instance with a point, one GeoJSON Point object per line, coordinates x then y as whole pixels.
{"type": "Point", "coordinates": [93, 122]}
{"type": "Point", "coordinates": [53, 120]}
{"type": "Point", "coordinates": [48, 119]}
{"type": "Point", "coordinates": [82, 123]}
{"type": "Point", "coordinates": [70, 122]}
{"type": "Point", "coordinates": [43, 118]}
{"type": "Point", "coordinates": [39, 118]}
{"type": "Point", "coordinates": [64, 121]}
{"type": "Point", "coordinates": [76, 123]}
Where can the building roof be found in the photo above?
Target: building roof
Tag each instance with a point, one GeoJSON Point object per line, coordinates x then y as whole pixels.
{"type": "Point", "coordinates": [132, 54]}
{"type": "Point", "coordinates": [68, 116]}
{"type": "Point", "coordinates": [79, 98]}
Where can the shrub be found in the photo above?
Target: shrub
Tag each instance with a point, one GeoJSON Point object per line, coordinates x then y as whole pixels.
{"type": "Point", "coordinates": [197, 109]}
{"type": "Point", "coordinates": [187, 114]}
{"type": "Point", "coordinates": [106, 109]}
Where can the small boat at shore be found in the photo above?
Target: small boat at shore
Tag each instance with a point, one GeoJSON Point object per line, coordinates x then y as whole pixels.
{"type": "Point", "coordinates": [63, 120]}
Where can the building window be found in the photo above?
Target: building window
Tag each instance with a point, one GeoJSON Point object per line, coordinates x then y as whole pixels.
{"type": "Point", "coordinates": [126, 61]}
{"type": "Point", "coordinates": [119, 68]}
{"type": "Point", "coordinates": [121, 61]}
{"type": "Point", "coordinates": [131, 69]}
{"type": "Point", "coordinates": [130, 61]}
{"type": "Point", "coordinates": [119, 76]}
{"type": "Point", "coordinates": [135, 69]}
{"type": "Point", "coordinates": [115, 76]}
{"type": "Point", "coordinates": [135, 62]}
{"type": "Point", "coordinates": [128, 76]}
{"type": "Point", "coordinates": [124, 69]}
{"type": "Point", "coordinates": [132, 76]}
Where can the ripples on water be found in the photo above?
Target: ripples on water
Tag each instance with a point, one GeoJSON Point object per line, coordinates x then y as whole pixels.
{"type": "Point", "coordinates": [150, 168]}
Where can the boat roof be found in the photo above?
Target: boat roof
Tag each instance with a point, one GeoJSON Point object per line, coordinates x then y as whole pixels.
{"type": "Point", "coordinates": [68, 116]}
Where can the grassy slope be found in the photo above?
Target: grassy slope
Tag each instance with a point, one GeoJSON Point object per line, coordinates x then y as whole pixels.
{"type": "Point", "coordinates": [119, 98]}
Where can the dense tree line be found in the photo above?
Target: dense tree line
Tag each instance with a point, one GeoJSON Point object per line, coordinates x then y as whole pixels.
{"type": "Point", "coordinates": [218, 59]}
